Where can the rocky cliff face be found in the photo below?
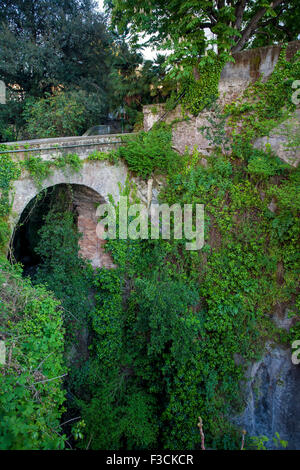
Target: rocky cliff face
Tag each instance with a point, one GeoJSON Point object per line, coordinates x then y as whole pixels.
{"type": "Point", "coordinates": [272, 398]}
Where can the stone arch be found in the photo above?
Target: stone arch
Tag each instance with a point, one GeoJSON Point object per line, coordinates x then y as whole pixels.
{"type": "Point", "coordinates": [100, 176]}
{"type": "Point", "coordinates": [92, 185]}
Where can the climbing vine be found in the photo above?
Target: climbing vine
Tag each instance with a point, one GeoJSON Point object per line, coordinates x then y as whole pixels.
{"type": "Point", "coordinates": [9, 171]}
{"type": "Point", "coordinates": [172, 332]}
{"type": "Point", "coordinates": [222, 299]}
{"type": "Point", "coordinates": [198, 83]}
{"type": "Point", "coordinates": [31, 395]}
{"type": "Point", "coordinates": [266, 103]}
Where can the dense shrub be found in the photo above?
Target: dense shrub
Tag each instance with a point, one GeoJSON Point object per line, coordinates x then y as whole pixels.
{"type": "Point", "coordinates": [31, 394]}
{"type": "Point", "coordinates": [62, 114]}
{"type": "Point", "coordinates": [150, 152]}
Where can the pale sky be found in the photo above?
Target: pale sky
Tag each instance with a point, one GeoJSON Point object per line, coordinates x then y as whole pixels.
{"type": "Point", "coordinates": [101, 4]}
{"type": "Point", "coordinates": [148, 52]}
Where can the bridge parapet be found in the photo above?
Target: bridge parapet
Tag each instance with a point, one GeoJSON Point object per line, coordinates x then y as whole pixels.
{"type": "Point", "coordinates": [92, 184]}
{"type": "Point", "coordinates": [83, 146]}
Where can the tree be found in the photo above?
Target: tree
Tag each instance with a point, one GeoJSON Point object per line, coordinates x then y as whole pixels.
{"type": "Point", "coordinates": [180, 25]}
{"type": "Point", "coordinates": [135, 81]}
{"type": "Point", "coordinates": [51, 45]}
{"type": "Point", "coordinates": [287, 29]}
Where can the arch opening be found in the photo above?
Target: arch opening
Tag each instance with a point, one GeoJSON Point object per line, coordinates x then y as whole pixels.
{"type": "Point", "coordinates": [82, 203]}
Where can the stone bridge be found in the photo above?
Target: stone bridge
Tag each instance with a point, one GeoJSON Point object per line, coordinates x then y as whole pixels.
{"type": "Point", "coordinates": [97, 179]}
{"type": "Point", "coordinates": [92, 184]}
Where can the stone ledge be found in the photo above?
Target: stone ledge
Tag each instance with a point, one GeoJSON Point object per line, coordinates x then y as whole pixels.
{"type": "Point", "coordinates": [68, 140]}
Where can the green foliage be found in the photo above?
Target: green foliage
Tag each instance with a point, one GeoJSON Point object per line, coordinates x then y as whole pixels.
{"type": "Point", "coordinates": [146, 153]}
{"type": "Point", "coordinates": [78, 74]}
{"type": "Point", "coordinates": [11, 121]}
{"type": "Point", "coordinates": [64, 44]}
{"type": "Point", "coordinates": [181, 319]}
{"type": "Point", "coordinates": [112, 157]}
{"type": "Point", "coordinates": [150, 152]}
{"type": "Point", "coordinates": [9, 171]}
{"type": "Point", "coordinates": [137, 345]}
{"type": "Point", "coordinates": [68, 161]}
{"type": "Point", "coordinates": [136, 82]}
{"type": "Point", "coordinates": [291, 131]}
{"type": "Point", "coordinates": [37, 168]}
{"type": "Point", "coordinates": [40, 169]}
{"type": "Point", "coordinates": [172, 332]}
{"type": "Point", "coordinates": [215, 131]}
{"type": "Point", "coordinates": [199, 83]}
{"type": "Point", "coordinates": [265, 104]}
{"type": "Point", "coordinates": [31, 395]}
{"type": "Point", "coordinates": [63, 271]}
{"type": "Point", "coordinates": [179, 26]}
{"type": "Point", "coordinates": [78, 429]}
{"type": "Point", "coordinates": [258, 442]}
{"type": "Point", "coordinates": [279, 442]}
{"type": "Point", "coordinates": [61, 114]}
{"type": "Point", "coordinates": [265, 164]}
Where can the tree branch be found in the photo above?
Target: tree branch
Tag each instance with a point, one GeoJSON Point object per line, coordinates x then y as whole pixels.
{"type": "Point", "coordinates": [239, 13]}
{"type": "Point", "coordinates": [252, 25]}
{"type": "Point", "coordinates": [279, 27]}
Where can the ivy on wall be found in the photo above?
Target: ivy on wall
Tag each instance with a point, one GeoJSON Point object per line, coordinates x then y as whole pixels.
{"type": "Point", "coordinates": [217, 304]}
{"type": "Point", "coordinates": [172, 331]}
{"type": "Point", "coordinates": [198, 83]}
{"type": "Point", "coordinates": [266, 103]}
{"type": "Point", "coordinates": [185, 325]}
{"type": "Point", "coordinates": [31, 393]}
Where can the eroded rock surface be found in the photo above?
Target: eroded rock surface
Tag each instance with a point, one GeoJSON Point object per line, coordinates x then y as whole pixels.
{"type": "Point", "coordinates": [272, 398]}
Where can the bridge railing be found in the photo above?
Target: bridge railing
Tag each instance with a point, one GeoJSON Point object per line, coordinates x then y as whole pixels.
{"type": "Point", "coordinates": [83, 144]}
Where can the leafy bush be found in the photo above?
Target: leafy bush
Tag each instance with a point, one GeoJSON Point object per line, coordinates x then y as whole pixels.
{"type": "Point", "coordinates": [62, 114]}
{"type": "Point", "coordinates": [151, 152]}
{"type": "Point", "coordinates": [62, 269]}
{"type": "Point", "coordinates": [31, 394]}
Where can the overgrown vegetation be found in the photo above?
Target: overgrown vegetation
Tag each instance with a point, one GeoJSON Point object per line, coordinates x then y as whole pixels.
{"type": "Point", "coordinates": [261, 108]}
{"type": "Point", "coordinates": [185, 317]}
{"type": "Point", "coordinates": [195, 58]}
{"type": "Point", "coordinates": [65, 71]}
{"type": "Point", "coordinates": [31, 394]}
{"type": "Point", "coordinates": [143, 383]}
{"type": "Point", "coordinates": [167, 336]}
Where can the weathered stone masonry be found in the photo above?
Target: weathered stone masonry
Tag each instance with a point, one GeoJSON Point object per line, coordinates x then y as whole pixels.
{"type": "Point", "coordinates": [97, 179]}
{"type": "Point", "coordinates": [91, 185]}
{"type": "Point", "coordinates": [235, 77]}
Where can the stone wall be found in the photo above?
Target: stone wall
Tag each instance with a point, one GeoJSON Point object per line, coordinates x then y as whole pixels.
{"type": "Point", "coordinates": [92, 185]}
{"type": "Point", "coordinates": [272, 398]}
{"type": "Point", "coordinates": [92, 248]}
{"type": "Point", "coordinates": [50, 148]}
{"type": "Point", "coordinates": [271, 386]}
{"type": "Point", "coordinates": [235, 77]}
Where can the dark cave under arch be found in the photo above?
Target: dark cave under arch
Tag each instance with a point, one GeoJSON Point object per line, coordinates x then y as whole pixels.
{"type": "Point", "coordinates": [25, 235]}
